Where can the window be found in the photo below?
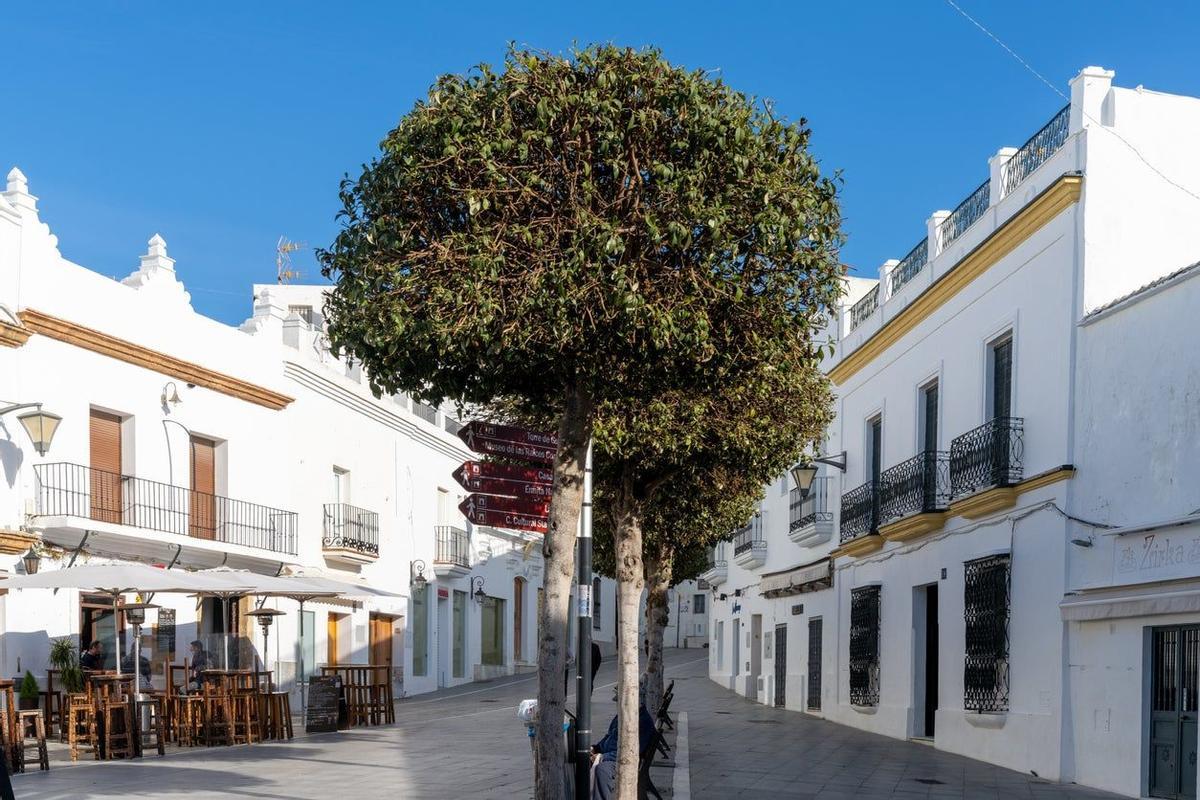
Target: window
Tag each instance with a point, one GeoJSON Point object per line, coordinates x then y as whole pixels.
{"type": "Point", "coordinates": [986, 610]}
{"type": "Point", "coordinates": [420, 621]}
{"type": "Point", "coordinates": [1000, 378]}
{"type": "Point", "coordinates": [303, 312]}
{"type": "Point", "coordinates": [458, 657]}
{"type": "Point", "coordinates": [864, 646]}
{"type": "Point", "coordinates": [492, 631]}
{"type": "Point", "coordinates": [596, 622]}
{"type": "Point", "coordinates": [341, 485]}
{"type": "Point", "coordinates": [929, 417]}
{"type": "Point", "coordinates": [698, 604]}
{"type": "Point", "coordinates": [874, 448]}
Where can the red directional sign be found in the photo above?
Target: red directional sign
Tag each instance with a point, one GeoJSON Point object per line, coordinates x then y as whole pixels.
{"type": "Point", "coordinates": [503, 519]}
{"type": "Point", "coordinates": [510, 505]}
{"type": "Point", "coordinates": [513, 481]}
{"type": "Point", "coordinates": [509, 441]}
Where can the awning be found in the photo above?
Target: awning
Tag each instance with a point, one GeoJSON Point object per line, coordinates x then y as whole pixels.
{"type": "Point", "coordinates": [1131, 601]}
{"type": "Point", "coordinates": [810, 577]}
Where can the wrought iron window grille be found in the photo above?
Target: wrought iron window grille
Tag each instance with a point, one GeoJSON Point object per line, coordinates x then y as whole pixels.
{"type": "Point", "coordinates": [918, 485]}
{"type": "Point", "coordinates": [860, 512]}
{"type": "Point", "coordinates": [864, 646]}
{"type": "Point", "coordinates": [749, 536]}
{"type": "Point", "coordinates": [986, 596]}
{"type": "Point", "coordinates": [987, 456]}
{"type": "Point", "coordinates": [814, 664]}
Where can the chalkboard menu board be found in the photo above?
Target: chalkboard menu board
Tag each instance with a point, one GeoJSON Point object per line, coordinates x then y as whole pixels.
{"type": "Point", "coordinates": [165, 633]}
{"type": "Point", "coordinates": [324, 695]}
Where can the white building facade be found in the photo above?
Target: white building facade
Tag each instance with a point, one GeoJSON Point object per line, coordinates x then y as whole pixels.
{"type": "Point", "coordinates": [928, 586]}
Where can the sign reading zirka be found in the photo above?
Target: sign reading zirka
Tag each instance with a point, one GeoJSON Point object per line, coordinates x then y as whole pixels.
{"type": "Point", "coordinates": [515, 496]}
{"type": "Point", "coordinates": [508, 441]}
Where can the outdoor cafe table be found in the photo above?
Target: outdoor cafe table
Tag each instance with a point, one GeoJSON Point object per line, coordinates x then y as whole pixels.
{"type": "Point", "coordinates": [103, 685]}
{"type": "Point", "coordinates": [367, 690]}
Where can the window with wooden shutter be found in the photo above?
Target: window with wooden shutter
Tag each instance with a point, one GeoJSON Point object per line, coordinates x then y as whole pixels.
{"type": "Point", "coordinates": [203, 520]}
{"type": "Point", "coordinates": [1002, 379]}
{"type": "Point", "coordinates": [107, 501]}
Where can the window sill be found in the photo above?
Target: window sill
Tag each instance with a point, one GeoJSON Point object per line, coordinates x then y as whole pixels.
{"type": "Point", "coordinates": [991, 720]}
{"type": "Point", "coordinates": [865, 709]}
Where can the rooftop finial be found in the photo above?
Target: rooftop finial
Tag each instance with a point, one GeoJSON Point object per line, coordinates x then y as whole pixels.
{"type": "Point", "coordinates": [17, 181]}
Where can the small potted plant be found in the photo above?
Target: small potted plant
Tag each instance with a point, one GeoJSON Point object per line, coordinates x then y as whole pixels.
{"type": "Point", "coordinates": [29, 692]}
{"type": "Point", "coordinates": [65, 659]}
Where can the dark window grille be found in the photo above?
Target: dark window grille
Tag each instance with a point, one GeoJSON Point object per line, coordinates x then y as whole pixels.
{"type": "Point", "coordinates": [909, 266]}
{"type": "Point", "coordinates": [749, 536]}
{"type": "Point", "coordinates": [987, 456]}
{"type": "Point", "coordinates": [986, 610]}
{"type": "Point", "coordinates": [966, 214]}
{"type": "Point", "coordinates": [930, 431]}
{"type": "Point", "coordinates": [451, 546]}
{"type": "Point", "coordinates": [864, 646]}
{"type": "Point", "coordinates": [350, 528]}
{"type": "Point", "coordinates": [864, 308]}
{"type": "Point", "coordinates": [811, 508]}
{"type": "Point", "coordinates": [814, 664]}
{"type": "Point", "coordinates": [919, 485]}
{"type": "Point", "coordinates": [1037, 150]}
{"type": "Point", "coordinates": [698, 604]}
{"type": "Point", "coordinates": [860, 512]}
{"type": "Point", "coordinates": [1002, 379]}
{"type": "Point", "coordinates": [75, 490]}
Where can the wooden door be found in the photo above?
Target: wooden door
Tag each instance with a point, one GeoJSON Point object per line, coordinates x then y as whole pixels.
{"type": "Point", "coordinates": [105, 483]}
{"type": "Point", "coordinates": [381, 640]}
{"type": "Point", "coordinates": [203, 520]}
{"type": "Point", "coordinates": [331, 636]}
{"type": "Point", "coordinates": [518, 617]}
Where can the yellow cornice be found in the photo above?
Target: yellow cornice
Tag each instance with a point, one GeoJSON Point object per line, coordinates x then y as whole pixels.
{"type": "Point", "coordinates": [1001, 497]}
{"type": "Point", "coordinates": [867, 543]}
{"type": "Point", "coordinates": [912, 527]}
{"type": "Point", "coordinates": [13, 335]}
{"type": "Point", "coordinates": [130, 353]}
{"type": "Point", "coordinates": [1060, 195]}
{"type": "Point", "coordinates": [13, 542]}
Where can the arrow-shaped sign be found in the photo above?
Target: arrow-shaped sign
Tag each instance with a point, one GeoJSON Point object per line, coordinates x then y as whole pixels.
{"type": "Point", "coordinates": [504, 479]}
{"type": "Point", "coordinates": [509, 441]}
{"type": "Point", "coordinates": [510, 505]}
{"type": "Point", "coordinates": [502, 519]}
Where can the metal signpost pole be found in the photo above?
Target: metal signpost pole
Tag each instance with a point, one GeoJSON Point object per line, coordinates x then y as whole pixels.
{"type": "Point", "coordinates": [583, 652]}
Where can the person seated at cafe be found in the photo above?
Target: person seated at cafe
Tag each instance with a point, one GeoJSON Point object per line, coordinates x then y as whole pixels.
{"type": "Point", "coordinates": [93, 657]}
{"type": "Point", "coordinates": [199, 664]}
{"type": "Point", "coordinates": [143, 671]}
{"type": "Point", "coordinates": [604, 752]}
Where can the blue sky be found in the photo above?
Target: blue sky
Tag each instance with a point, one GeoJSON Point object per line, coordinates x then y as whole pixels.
{"type": "Point", "coordinates": [225, 125]}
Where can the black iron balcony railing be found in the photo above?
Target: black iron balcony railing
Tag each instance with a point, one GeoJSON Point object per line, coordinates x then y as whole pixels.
{"type": "Point", "coordinates": [452, 546]}
{"type": "Point", "coordinates": [860, 512]}
{"type": "Point", "coordinates": [78, 491]}
{"type": "Point", "coordinates": [916, 486]}
{"type": "Point", "coordinates": [813, 507]}
{"type": "Point", "coordinates": [350, 528]}
{"type": "Point", "coordinates": [1037, 150]}
{"type": "Point", "coordinates": [909, 266]}
{"type": "Point", "coordinates": [864, 308]}
{"type": "Point", "coordinates": [987, 456]}
{"type": "Point", "coordinates": [966, 214]}
{"type": "Point", "coordinates": [749, 536]}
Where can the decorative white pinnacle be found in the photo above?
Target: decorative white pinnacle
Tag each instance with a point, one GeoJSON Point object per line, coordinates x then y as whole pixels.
{"type": "Point", "coordinates": [17, 181]}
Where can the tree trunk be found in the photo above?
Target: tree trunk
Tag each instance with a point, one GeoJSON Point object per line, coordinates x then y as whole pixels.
{"type": "Point", "coordinates": [558, 551]}
{"type": "Point", "coordinates": [630, 581]}
{"type": "Point", "coordinates": [659, 563]}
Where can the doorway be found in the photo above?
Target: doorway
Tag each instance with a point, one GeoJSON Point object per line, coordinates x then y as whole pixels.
{"type": "Point", "coordinates": [755, 652]}
{"type": "Point", "coordinates": [106, 484]}
{"type": "Point", "coordinates": [814, 664]}
{"type": "Point", "coordinates": [1175, 658]}
{"type": "Point", "coordinates": [518, 619]}
{"type": "Point", "coordinates": [737, 647]}
{"type": "Point", "coordinates": [925, 652]}
{"type": "Point", "coordinates": [97, 622]}
{"type": "Point", "coordinates": [334, 639]}
{"type": "Point", "coordinates": [202, 498]}
{"type": "Point", "coordinates": [381, 641]}
{"type": "Point", "coordinates": [780, 666]}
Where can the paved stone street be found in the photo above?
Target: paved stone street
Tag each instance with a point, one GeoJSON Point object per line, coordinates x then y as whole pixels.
{"type": "Point", "coordinates": [467, 743]}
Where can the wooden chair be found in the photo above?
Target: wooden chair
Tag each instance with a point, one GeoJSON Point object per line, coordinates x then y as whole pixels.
{"type": "Point", "coordinates": [34, 718]}
{"type": "Point", "coordinates": [153, 709]}
{"type": "Point", "coordinates": [217, 715]}
{"type": "Point", "coordinates": [118, 727]}
{"type": "Point", "coordinates": [646, 785]}
{"type": "Point", "coordinates": [188, 719]}
{"type": "Point", "coordinates": [81, 724]}
{"type": "Point", "coordinates": [277, 715]}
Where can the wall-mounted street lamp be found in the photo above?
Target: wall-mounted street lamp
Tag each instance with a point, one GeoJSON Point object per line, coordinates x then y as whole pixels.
{"type": "Point", "coordinates": [170, 396]}
{"type": "Point", "coordinates": [477, 589]}
{"type": "Point", "coordinates": [416, 575]}
{"type": "Point", "coordinates": [32, 561]}
{"type": "Point", "coordinates": [804, 472]}
{"type": "Point", "coordinates": [40, 425]}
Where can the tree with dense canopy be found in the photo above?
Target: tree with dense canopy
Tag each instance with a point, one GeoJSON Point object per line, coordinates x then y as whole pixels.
{"type": "Point", "coordinates": [573, 231]}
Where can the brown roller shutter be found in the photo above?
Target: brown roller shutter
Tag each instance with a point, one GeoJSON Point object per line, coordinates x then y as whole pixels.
{"type": "Point", "coordinates": [105, 462]}
{"type": "Point", "coordinates": [204, 486]}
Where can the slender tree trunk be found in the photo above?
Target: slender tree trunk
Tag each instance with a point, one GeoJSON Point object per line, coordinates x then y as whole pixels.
{"type": "Point", "coordinates": [659, 563]}
{"type": "Point", "coordinates": [558, 550]}
{"type": "Point", "coordinates": [630, 581]}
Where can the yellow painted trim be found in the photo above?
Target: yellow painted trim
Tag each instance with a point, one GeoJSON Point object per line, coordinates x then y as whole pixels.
{"type": "Point", "coordinates": [130, 353]}
{"type": "Point", "coordinates": [1045, 479]}
{"type": "Point", "coordinates": [1045, 207]}
{"type": "Point", "coordinates": [986, 502]}
{"type": "Point", "coordinates": [867, 543]}
{"type": "Point", "coordinates": [13, 335]}
{"type": "Point", "coordinates": [913, 526]}
{"type": "Point", "coordinates": [13, 542]}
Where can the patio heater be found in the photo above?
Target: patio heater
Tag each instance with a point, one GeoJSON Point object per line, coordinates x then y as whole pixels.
{"type": "Point", "coordinates": [136, 614]}
{"type": "Point", "coordinates": [265, 617]}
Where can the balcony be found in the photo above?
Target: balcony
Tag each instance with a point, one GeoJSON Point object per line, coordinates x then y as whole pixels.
{"type": "Point", "coordinates": [749, 546]}
{"type": "Point", "coordinates": [860, 520]}
{"type": "Point", "coordinates": [811, 517]}
{"type": "Point", "coordinates": [113, 510]}
{"type": "Point", "coordinates": [913, 495]}
{"type": "Point", "coordinates": [984, 464]}
{"type": "Point", "coordinates": [718, 568]}
{"type": "Point", "coordinates": [351, 534]}
{"type": "Point", "coordinates": [452, 556]}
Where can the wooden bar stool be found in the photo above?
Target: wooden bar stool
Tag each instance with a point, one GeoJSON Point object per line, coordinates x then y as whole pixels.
{"type": "Point", "coordinates": [279, 715]}
{"type": "Point", "coordinates": [154, 708]}
{"type": "Point", "coordinates": [218, 716]}
{"type": "Point", "coordinates": [118, 727]}
{"type": "Point", "coordinates": [34, 718]}
{"type": "Point", "coordinates": [188, 719]}
{"type": "Point", "coordinates": [81, 725]}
